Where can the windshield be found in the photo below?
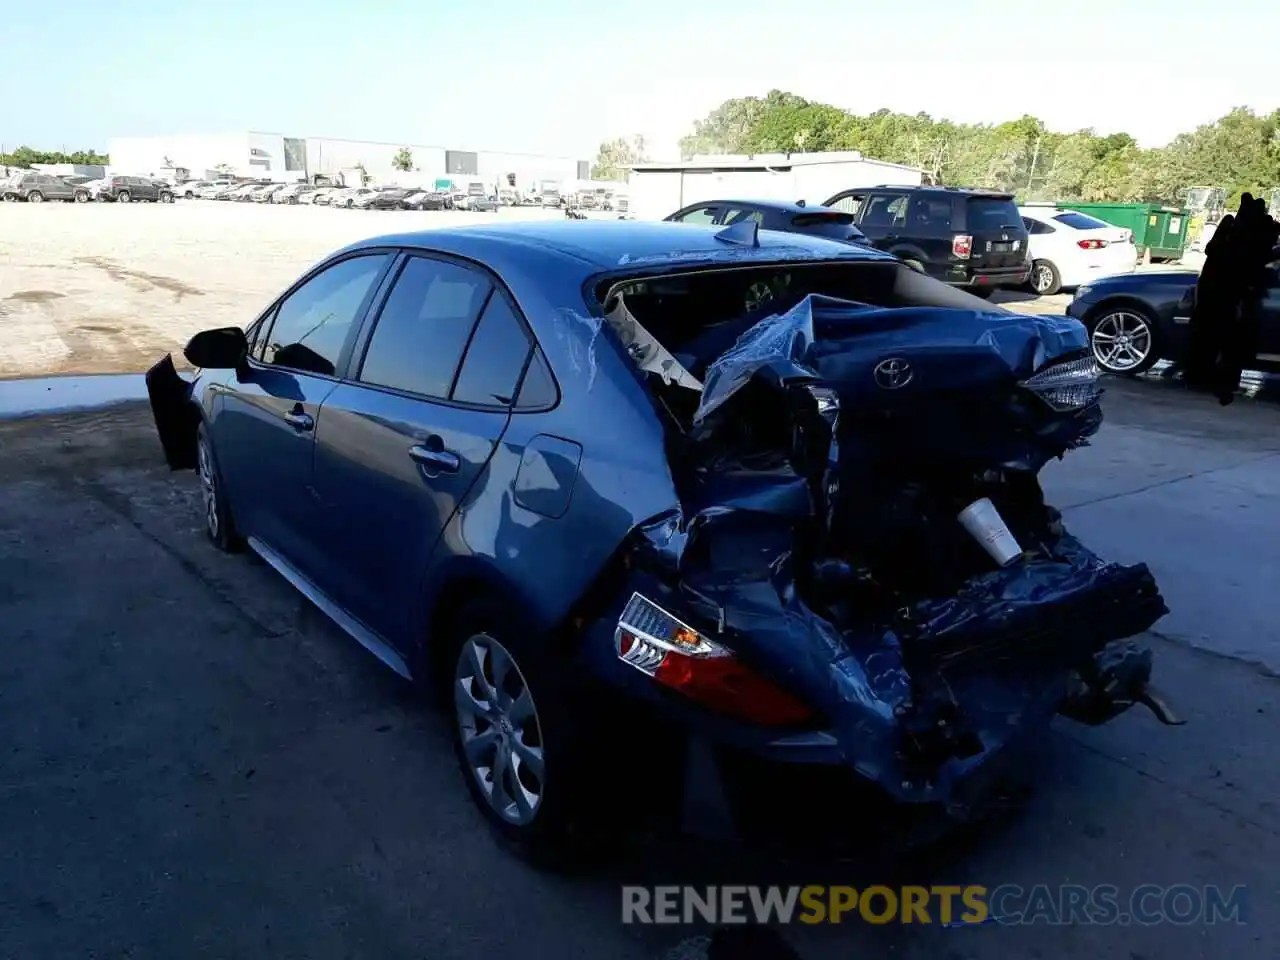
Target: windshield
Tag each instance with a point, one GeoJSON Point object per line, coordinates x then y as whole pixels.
{"type": "Point", "coordinates": [1081, 221]}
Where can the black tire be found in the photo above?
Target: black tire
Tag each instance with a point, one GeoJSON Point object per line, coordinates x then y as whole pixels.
{"type": "Point", "coordinates": [189, 195]}
{"type": "Point", "coordinates": [983, 293]}
{"type": "Point", "coordinates": [35, 196]}
{"type": "Point", "coordinates": [219, 525]}
{"type": "Point", "coordinates": [123, 197]}
{"type": "Point", "coordinates": [564, 828]}
{"type": "Point", "coordinates": [1105, 317]}
{"type": "Point", "coordinates": [166, 197]}
{"type": "Point", "coordinates": [1045, 280]}
{"type": "Point", "coordinates": [81, 197]}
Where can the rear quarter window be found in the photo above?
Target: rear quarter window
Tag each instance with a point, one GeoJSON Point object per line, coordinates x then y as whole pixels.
{"type": "Point", "coordinates": [1081, 221]}
{"type": "Point", "coordinates": [495, 358]}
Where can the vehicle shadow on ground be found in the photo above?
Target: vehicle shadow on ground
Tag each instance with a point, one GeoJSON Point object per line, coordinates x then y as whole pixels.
{"type": "Point", "coordinates": [1014, 295]}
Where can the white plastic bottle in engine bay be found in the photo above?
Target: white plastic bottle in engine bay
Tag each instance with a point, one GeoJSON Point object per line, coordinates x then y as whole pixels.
{"type": "Point", "coordinates": [984, 523]}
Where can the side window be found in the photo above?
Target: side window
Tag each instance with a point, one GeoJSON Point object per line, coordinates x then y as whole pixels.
{"type": "Point", "coordinates": [931, 214]}
{"type": "Point", "coordinates": [1037, 226]}
{"type": "Point", "coordinates": [495, 357]}
{"type": "Point", "coordinates": [705, 216]}
{"type": "Point", "coordinates": [312, 324]}
{"type": "Point", "coordinates": [851, 203]}
{"type": "Point", "coordinates": [424, 327]}
{"type": "Point", "coordinates": [255, 334]}
{"type": "Point", "coordinates": [733, 216]}
{"type": "Point", "coordinates": [886, 210]}
{"type": "Point", "coordinates": [539, 388]}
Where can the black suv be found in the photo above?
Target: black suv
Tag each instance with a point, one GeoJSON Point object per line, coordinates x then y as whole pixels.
{"type": "Point", "coordinates": [127, 189]}
{"type": "Point", "coordinates": [968, 238]}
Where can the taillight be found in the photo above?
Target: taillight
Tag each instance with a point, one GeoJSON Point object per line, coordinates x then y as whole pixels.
{"type": "Point", "coordinates": [1092, 244]}
{"type": "Point", "coordinates": [1067, 384]}
{"type": "Point", "coordinates": [677, 656]}
{"type": "Point", "coordinates": [962, 246]}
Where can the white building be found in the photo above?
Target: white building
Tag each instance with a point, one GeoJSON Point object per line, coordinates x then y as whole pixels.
{"type": "Point", "coordinates": [659, 189]}
{"type": "Point", "coordinates": [273, 156]}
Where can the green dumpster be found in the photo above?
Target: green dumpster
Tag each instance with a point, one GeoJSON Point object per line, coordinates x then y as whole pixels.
{"type": "Point", "coordinates": [1159, 232]}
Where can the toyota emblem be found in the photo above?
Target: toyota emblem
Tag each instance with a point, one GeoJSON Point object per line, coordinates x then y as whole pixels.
{"type": "Point", "coordinates": [893, 374]}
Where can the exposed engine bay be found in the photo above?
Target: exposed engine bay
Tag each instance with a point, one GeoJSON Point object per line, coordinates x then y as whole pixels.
{"type": "Point", "coordinates": [860, 513]}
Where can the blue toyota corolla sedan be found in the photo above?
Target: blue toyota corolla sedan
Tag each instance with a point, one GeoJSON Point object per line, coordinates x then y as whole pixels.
{"type": "Point", "coordinates": [615, 488]}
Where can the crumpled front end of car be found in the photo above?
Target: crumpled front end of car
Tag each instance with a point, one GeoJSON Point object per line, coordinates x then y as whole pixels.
{"type": "Point", "coordinates": [862, 569]}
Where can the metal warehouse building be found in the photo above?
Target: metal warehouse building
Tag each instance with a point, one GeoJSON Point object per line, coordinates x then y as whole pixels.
{"type": "Point", "coordinates": [659, 189]}
{"type": "Point", "coordinates": [273, 156]}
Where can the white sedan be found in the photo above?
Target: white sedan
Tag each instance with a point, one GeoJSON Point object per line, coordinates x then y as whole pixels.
{"type": "Point", "coordinates": [1069, 248]}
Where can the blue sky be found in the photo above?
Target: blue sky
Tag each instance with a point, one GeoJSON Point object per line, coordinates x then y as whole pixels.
{"type": "Point", "coordinates": [560, 75]}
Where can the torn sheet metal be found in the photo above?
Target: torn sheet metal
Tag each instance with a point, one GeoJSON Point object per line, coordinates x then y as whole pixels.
{"type": "Point", "coordinates": [649, 355]}
{"type": "Point", "coordinates": [921, 692]}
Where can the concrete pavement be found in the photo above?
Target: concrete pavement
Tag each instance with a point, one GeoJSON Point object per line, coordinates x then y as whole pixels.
{"type": "Point", "coordinates": [198, 765]}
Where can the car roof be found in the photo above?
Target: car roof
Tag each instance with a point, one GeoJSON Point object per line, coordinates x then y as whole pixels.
{"type": "Point", "coordinates": [781, 206]}
{"type": "Point", "coordinates": [940, 188]}
{"type": "Point", "coordinates": [617, 244]}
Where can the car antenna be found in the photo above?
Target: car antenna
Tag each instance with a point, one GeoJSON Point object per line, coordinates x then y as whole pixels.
{"type": "Point", "coordinates": [745, 233]}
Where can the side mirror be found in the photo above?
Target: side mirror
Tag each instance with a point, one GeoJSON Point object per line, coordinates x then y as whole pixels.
{"type": "Point", "coordinates": [221, 349]}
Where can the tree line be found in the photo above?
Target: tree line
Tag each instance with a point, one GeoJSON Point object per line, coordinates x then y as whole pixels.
{"type": "Point", "coordinates": [26, 157]}
{"type": "Point", "coordinates": [1239, 152]}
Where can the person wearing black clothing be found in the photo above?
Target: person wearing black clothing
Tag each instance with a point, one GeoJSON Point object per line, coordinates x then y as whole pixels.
{"type": "Point", "coordinates": [1227, 313]}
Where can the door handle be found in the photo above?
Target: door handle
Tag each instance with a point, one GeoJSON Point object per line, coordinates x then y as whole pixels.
{"type": "Point", "coordinates": [299, 421]}
{"type": "Point", "coordinates": [435, 458]}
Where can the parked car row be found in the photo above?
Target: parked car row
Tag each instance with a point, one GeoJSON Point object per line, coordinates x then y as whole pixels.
{"type": "Point", "coordinates": [976, 239]}
{"type": "Point", "coordinates": [388, 197]}
{"type": "Point", "coordinates": [981, 241]}
{"type": "Point", "coordinates": [30, 186]}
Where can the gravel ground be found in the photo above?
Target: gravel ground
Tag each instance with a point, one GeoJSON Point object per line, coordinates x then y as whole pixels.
{"type": "Point", "coordinates": [109, 288]}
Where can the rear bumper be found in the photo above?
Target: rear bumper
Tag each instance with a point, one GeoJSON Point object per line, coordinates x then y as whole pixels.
{"type": "Point", "coordinates": [928, 724]}
{"type": "Point", "coordinates": [997, 277]}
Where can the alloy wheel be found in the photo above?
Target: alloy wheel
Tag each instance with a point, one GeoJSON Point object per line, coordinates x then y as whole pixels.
{"type": "Point", "coordinates": [1042, 278]}
{"type": "Point", "coordinates": [1121, 341]}
{"type": "Point", "coordinates": [499, 729]}
{"type": "Point", "coordinates": [208, 490]}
